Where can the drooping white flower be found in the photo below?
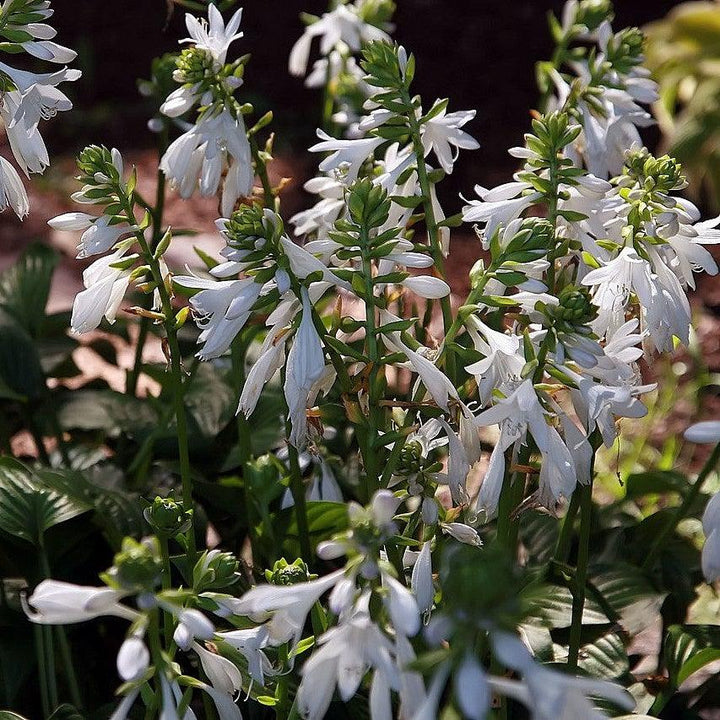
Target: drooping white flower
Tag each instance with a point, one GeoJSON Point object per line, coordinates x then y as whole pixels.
{"type": "Point", "coordinates": [443, 131]}
{"type": "Point", "coordinates": [285, 606]}
{"type": "Point", "coordinates": [133, 659]}
{"type": "Point", "coordinates": [345, 654]}
{"type": "Point", "coordinates": [12, 191]}
{"type": "Point", "coordinates": [221, 672]}
{"type": "Point", "coordinates": [462, 532]}
{"type": "Point", "coordinates": [421, 580]}
{"type": "Point", "coordinates": [710, 559]}
{"type": "Point", "coordinates": [472, 689]}
{"type": "Point", "coordinates": [54, 602]}
{"type": "Point", "coordinates": [222, 307]}
{"type": "Point", "coordinates": [346, 155]}
{"type": "Point", "coordinates": [500, 205]}
{"type": "Point", "coordinates": [548, 693]}
{"type": "Point", "coordinates": [704, 432]}
{"type": "Point", "coordinates": [198, 157]}
{"type": "Point", "coordinates": [305, 366]}
{"type": "Point", "coordinates": [250, 644]}
{"type": "Point", "coordinates": [341, 25]}
{"type": "Point", "coordinates": [191, 625]}
{"type": "Point", "coordinates": [105, 288]}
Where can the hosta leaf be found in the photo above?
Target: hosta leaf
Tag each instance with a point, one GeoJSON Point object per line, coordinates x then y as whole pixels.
{"type": "Point", "coordinates": [20, 370]}
{"type": "Point", "coordinates": [605, 658]}
{"type": "Point", "coordinates": [655, 482]}
{"type": "Point", "coordinates": [66, 712]}
{"type": "Point", "coordinates": [325, 519]}
{"type": "Point", "coordinates": [689, 648]}
{"type": "Point", "coordinates": [551, 606]}
{"type": "Point", "coordinates": [117, 511]}
{"type": "Point", "coordinates": [210, 401]}
{"type": "Point", "coordinates": [629, 594]}
{"type": "Point", "coordinates": [697, 662]}
{"type": "Point", "coordinates": [25, 286]}
{"type": "Point", "coordinates": [27, 509]}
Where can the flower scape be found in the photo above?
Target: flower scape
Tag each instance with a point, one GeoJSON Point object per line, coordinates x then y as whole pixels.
{"type": "Point", "coordinates": [358, 494]}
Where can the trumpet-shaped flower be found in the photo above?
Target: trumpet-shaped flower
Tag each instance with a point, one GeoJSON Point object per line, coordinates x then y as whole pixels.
{"type": "Point", "coordinates": [54, 602]}
{"type": "Point", "coordinates": [213, 34]}
{"type": "Point", "coordinates": [442, 132]}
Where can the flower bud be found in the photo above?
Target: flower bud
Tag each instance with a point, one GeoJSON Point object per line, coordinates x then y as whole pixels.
{"type": "Point", "coordinates": [138, 565]}
{"type": "Point", "coordinates": [167, 516]}
{"type": "Point", "coordinates": [284, 573]}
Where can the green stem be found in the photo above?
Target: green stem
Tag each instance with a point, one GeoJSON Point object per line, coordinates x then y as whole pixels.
{"type": "Point", "coordinates": [71, 677]}
{"type": "Point", "coordinates": [262, 173]}
{"type": "Point", "coordinates": [176, 372]}
{"type": "Point", "coordinates": [683, 509]}
{"type": "Point", "coordinates": [372, 352]}
{"type": "Point", "coordinates": [430, 221]}
{"type": "Point", "coordinates": [166, 585]}
{"type": "Point", "coordinates": [562, 549]}
{"type": "Point", "coordinates": [297, 490]}
{"type": "Point", "coordinates": [38, 632]}
{"type": "Point", "coordinates": [578, 605]}
{"type": "Point", "coordinates": [157, 226]}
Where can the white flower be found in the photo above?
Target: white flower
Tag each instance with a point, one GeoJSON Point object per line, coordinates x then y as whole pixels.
{"type": "Point", "coordinates": [711, 548]}
{"type": "Point", "coordinates": [305, 366]}
{"type": "Point", "coordinates": [192, 624]}
{"type": "Point", "coordinates": [286, 606]}
{"type": "Point", "coordinates": [421, 580]}
{"type": "Point", "coordinates": [222, 307]}
{"type": "Point", "coordinates": [704, 432]}
{"type": "Point", "coordinates": [198, 157]}
{"type": "Point", "coordinates": [221, 672]}
{"type": "Point", "coordinates": [434, 380]}
{"type": "Point", "coordinates": [269, 360]}
{"type": "Point", "coordinates": [133, 659]}
{"type": "Point", "coordinates": [12, 191]}
{"type": "Point", "coordinates": [213, 36]}
{"type": "Point", "coordinates": [471, 689]}
{"type": "Point", "coordinates": [54, 602]}
{"type": "Point", "coordinates": [401, 605]}
{"type": "Point", "coordinates": [50, 51]}
{"type": "Point", "coordinates": [442, 131]}
{"type": "Point", "coordinates": [347, 155]}
{"type": "Point", "coordinates": [250, 643]}
{"type": "Point", "coordinates": [462, 532]}
{"type": "Point", "coordinates": [341, 25]}
{"type": "Point", "coordinates": [105, 288]}
{"type": "Point", "coordinates": [552, 695]}
{"type": "Point", "coordinates": [345, 654]}
{"type": "Point", "coordinates": [101, 233]}
{"type": "Point", "coordinates": [500, 205]}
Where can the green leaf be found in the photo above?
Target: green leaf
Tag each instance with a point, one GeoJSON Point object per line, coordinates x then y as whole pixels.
{"type": "Point", "coordinates": [25, 286]}
{"type": "Point", "coordinates": [8, 715]}
{"type": "Point", "coordinates": [551, 606]}
{"type": "Point", "coordinates": [66, 712]}
{"type": "Point", "coordinates": [325, 519]}
{"type": "Point", "coordinates": [605, 658]}
{"type": "Point", "coordinates": [210, 401]}
{"type": "Point", "coordinates": [655, 482]}
{"type": "Point", "coordinates": [696, 662]}
{"type": "Point", "coordinates": [27, 509]}
{"type": "Point", "coordinates": [20, 369]}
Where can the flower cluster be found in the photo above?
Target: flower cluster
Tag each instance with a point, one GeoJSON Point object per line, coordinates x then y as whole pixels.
{"type": "Point", "coordinates": [29, 97]}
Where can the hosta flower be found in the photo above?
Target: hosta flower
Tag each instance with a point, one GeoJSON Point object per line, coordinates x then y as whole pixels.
{"type": "Point", "coordinates": [517, 414]}
{"type": "Point", "coordinates": [100, 233]}
{"type": "Point", "coordinates": [250, 644]}
{"type": "Point", "coordinates": [133, 659]}
{"type": "Point", "coordinates": [341, 25]}
{"type": "Point", "coordinates": [499, 205]}
{"type": "Point", "coordinates": [285, 607]}
{"type": "Point", "coordinates": [305, 366]}
{"type": "Point", "coordinates": [198, 158]}
{"type": "Point", "coordinates": [442, 132]}
{"type": "Point", "coordinates": [54, 602]}
{"type": "Point", "coordinates": [711, 548]}
{"type": "Point", "coordinates": [472, 689]}
{"type": "Point", "coordinates": [346, 155]}
{"type": "Point", "coordinates": [421, 581]}
{"type": "Point", "coordinates": [661, 297]}
{"type": "Point", "coordinates": [222, 307]}
{"type": "Point", "coordinates": [213, 34]}
{"type": "Point", "coordinates": [704, 432]}
{"type": "Point", "coordinates": [549, 694]}
{"type": "Point", "coordinates": [106, 282]}
{"type": "Point", "coordinates": [12, 191]}
{"type": "Point", "coordinates": [346, 653]}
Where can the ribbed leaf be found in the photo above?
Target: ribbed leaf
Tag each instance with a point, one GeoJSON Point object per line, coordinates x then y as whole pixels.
{"type": "Point", "coordinates": [27, 509]}
{"type": "Point", "coordinates": [25, 286]}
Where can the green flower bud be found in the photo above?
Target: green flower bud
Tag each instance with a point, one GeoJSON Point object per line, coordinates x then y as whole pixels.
{"type": "Point", "coordinates": [411, 459]}
{"type": "Point", "coordinates": [591, 13]}
{"type": "Point", "coordinates": [284, 573]}
{"type": "Point", "coordinates": [194, 66]}
{"type": "Point", "coordinates": [215, 569]}
{"type": "Point", "coordinates": [167, 516]}
{"type": "Point", "coordinates": [138, 565]}
{"type": "Point", "coordinates": [575, 306]}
